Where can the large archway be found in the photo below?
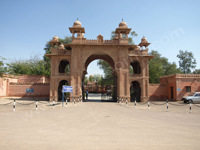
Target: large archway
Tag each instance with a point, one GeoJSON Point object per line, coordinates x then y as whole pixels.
{"type": "Point", "coordinates": [135, 91]}
{"type": "Point", "coordinates": [101, 87]}
{"type": "Point", "coordinates": [61, 83]}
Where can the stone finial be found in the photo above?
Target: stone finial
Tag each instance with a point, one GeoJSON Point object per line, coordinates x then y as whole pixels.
{"type": "Point", "coordinates": [77, 23]}
{"type": "Point", "coordinates": [144, 40]}
{"type": "Point", "coordinates": [55, 38]}
{"type": "Point", "coordinates": [123, 24]}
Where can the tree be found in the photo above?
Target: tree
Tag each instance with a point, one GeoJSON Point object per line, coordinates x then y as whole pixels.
{"type": "Point", "coordinates": [187, 61]}
{"type": "Point", "coordinates": [96, 77]}
{"type": "Point", "coordinates": [85, 80]}
{"type": "Point", "coordinates": [91, 78]}
{"type": "Point", "coordinates": [196, 71]}
{"type": "Point", "coordinates": [32, 66]}
{"type": "Point", "coordinates": [2, 68]}
{"type": "Point", "coordinates": [159, 66]}
{"type": "Point", "coordinates": [105, 66]}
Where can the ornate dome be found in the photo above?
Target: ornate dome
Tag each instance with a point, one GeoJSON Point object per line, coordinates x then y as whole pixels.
{"type": "Point", "coordinates": [77, 23]}
{"type": "Point", "coordinates": [55, 38]}
{"type": "Point", "coordinates": [123, 24]}
{"type": "Point", "coordinates": [144, 40]}
{"type": "Point", "coordinates": [61, 46]}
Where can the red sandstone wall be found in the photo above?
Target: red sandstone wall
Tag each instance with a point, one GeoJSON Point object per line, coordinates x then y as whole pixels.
{"type": "Point", "coordinates": [33, 79]}
{"type": "Point", "coordinates": [195, 87]}
{"type": "Point", "coordinates": [157, 92]}
{"type": "Point", "coordinates": [40, 90]}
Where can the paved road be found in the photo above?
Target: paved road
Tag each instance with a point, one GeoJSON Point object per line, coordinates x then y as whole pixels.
{"type": "Point", "coordinates": [98, 126]}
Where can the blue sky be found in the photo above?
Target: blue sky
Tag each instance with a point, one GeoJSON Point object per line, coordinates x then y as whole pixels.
{"type": "Point", "coordinates": [25, 25]}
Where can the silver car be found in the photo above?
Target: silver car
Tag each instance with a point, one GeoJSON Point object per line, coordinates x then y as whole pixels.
{"type": "Point", "coordinates": [192, 98]}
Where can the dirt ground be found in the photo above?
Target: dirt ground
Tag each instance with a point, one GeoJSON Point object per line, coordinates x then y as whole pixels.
{"type": "Point", "coordinates": [99, 126]}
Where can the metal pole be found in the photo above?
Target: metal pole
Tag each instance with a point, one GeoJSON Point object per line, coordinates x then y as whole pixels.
{"type": "Point", "coordinates": [122, 101]}
{"type": "Point", "coordinates": [126, 102]}
{"type": "Point", "coordinates": [66, 102]}
{"type": "Point", "coordinates": [148, 105]}
{"type": "Point", "coordinates": [190, 107]}
{"type": "Point", "coordinates": [74, 100]}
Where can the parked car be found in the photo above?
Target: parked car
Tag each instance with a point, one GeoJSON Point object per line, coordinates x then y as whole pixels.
{"type": "Point", "coordinates": [193, 97]}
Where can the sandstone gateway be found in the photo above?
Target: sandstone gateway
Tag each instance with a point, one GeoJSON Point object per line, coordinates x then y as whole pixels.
{"type": "Point", "coordinates": [117, 52]}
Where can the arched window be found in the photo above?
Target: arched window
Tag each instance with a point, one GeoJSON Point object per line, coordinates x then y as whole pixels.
{"type": "Point", "coordinates": [64, 66]}
{"type": "Point", "coordinates": [135, 67]}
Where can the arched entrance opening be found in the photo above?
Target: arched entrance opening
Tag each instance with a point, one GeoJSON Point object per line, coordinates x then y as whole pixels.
{"type": "Point", "coordinates": [135, 66]}
{"type": "Point", "coordinates": [64, 66]}
{"type": "Point", "coordinates": [100, 87]}
{"type": "Point", "coordinates": [62, 82]}
{"type": "Point", "coordinates": [135, 91]}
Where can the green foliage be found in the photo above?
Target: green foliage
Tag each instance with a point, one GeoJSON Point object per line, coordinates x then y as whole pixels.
{"type": "Point", "coordinates": [85, 80]}
{"type": "Point", "coordinates": [107, 69]}
{"type": "Point", "coordinates": [91, 78]}
{"type": "Point", "coordinates": [131, 69]}
{"type": "Point", "coordinates": [187, 61]}
{"type": "Point", "coordinates": [33, 66]}
{"type": "Point", "coordinates": [66, 40]}
{"type": "Point", "coordinates": [159, 66]}
{"type": "Point", "coordinates": [96, 77]}
{"type": "Point", "coordinates": [2, 68]}
{"type": "Point", "coordinates": [196, 71]}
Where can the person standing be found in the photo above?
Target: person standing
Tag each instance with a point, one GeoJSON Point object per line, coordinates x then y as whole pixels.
{"type": "Point", "coordinates": [86, 94]}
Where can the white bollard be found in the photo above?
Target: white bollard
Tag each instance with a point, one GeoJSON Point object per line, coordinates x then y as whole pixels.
{"type": "Point", "coordinates": [66, 102]}
{"type": "Point", "coordinates": [126, 102]}
{"type": "Point", "coordinates": [14, 105]}
{"type": "Point", "coordinates": [148, 105]}
{"type": "Point", "coordinates": [78, 100]}
{"type": "Point", "coordinates": [74, 101]}
{"type": "Point", "coordinates": [190, 108]}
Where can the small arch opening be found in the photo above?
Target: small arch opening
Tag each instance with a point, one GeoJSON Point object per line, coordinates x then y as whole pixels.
{"type": "Point", "coordinates": [135, 67]}
{"type": "Point", "coordinates": [64, 66]}
{"type": "Point", "coordinates": [63, 82]}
